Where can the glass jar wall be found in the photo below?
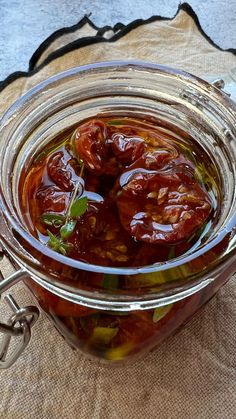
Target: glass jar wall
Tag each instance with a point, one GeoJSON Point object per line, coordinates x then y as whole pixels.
{"type": "Point", "coordinates": [149, 302]}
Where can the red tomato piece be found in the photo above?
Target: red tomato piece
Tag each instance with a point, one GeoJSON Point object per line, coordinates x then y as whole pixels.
{"type": "Point", "coordinates": [100, 238]}
{"type": "Point", "coordinates": [59, 171]}
{"type": "Point", "coordinates": [127, 148]}
{"type": "Point", "coordinates": [53, 304]}
{"type": "Point", "coordinates": [163, 158]}
{"type": "Point", "coordinates": [159, 150]}
{"type": "Point", "coordinates": [161, 207]}
{"type": "Point", "coordinates": [136, 330]}
{"type": "Point", "coordinates": [50, 198]}
{"type": "Point", "coordinates": [91, 145]}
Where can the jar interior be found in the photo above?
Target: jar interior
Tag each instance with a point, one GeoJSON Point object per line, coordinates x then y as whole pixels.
{"type": "Point", "coordinates": [176, 102]}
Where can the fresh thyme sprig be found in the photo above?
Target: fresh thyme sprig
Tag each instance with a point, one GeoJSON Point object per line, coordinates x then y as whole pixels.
{"type": "Point", "coordinates": [78, 190]}
{"type": "Point", "coordinates": [57, 244]}
{"type": "Point", "coordinates": [76, 208]}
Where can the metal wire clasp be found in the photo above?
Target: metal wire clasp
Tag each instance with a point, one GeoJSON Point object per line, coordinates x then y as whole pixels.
{"type": "Point", "coordinates": [17, 330]}
{"type": "Point", "coordinates": [220, 84]}
{"type": "Point", "coordinates": [19, 326]}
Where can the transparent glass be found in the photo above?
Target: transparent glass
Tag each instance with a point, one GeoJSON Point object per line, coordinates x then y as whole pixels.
{"type": "Point", "coordinates": [151, 302]}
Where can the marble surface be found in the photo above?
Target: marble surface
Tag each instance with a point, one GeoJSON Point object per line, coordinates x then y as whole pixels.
{"type": "Point", "coordinates": [26, 23]}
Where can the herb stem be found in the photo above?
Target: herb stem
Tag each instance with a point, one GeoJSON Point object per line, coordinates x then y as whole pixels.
{"type": "Point", "coordinates": [78, 185]}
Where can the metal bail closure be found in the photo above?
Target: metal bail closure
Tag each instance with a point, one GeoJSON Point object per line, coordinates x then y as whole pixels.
{"type": "Point", "coordinates": [220, 84]}
{"type": "Point", "coordinates": [19, 327]}
{"type": "Point", "coordinates": [17, 330]}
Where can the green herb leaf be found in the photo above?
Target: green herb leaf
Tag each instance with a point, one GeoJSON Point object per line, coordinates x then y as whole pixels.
{"type": "Point", "coordinates": [118, 313]}
{"type": "Point", "coordinates": [55, 244]}
{"type": "Point", "coordinates": [67, 229]}
{"type": "Point", "coordinates": [200, 173]}
{"type": "Point", "coordinates": [198, 233]}
{"type": "Point", "coordinates": [110, 282]}
{"type": "Point", "coordinates": [86, 321]}
{"type": "Point", "coordinates": [50, 219]}
{"type": "Point", "coordinates": [40, 157]}
{"type": "Point", "coordinates": [79, 207]}
{"type": "Point", "coordinates": [73, 325]}
{"type": "Point", "coordinates": [115, 122]}
{"type": "Point", "coordinates": [103, 335]}
{"type": "Point", "coordinates": [201, 230]}
{"type": "Point", "coordinates": [171, 253]}
{"type": "Point", "coordinates": [67, 222]}
{"type": "Point", "coordinates": [188, 152]}
{"type": "Point", "coordinates": [161, 312]}
{"type": "Point", "coordinates": [119, 352]}
{"type": "Point", "coordinates": [53, 240]}
{"type": "Point", "coordinates": [83, 323]}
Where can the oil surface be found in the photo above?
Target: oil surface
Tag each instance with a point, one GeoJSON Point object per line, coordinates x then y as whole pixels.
{"type": "Point", "coordinates": [150, 194]}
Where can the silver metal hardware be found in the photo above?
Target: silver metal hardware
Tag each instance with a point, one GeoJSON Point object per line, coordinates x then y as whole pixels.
{"type": "Point", "coordinates": [18, 326]}
{"type": "Point", "coordinates": [199, 100]}
{"type": "Point", "coordinates": [228, 135]}
{"type": "Point", "coordinates": [220, 84]}
{"type": "Point", "coordinates": [11, 280]}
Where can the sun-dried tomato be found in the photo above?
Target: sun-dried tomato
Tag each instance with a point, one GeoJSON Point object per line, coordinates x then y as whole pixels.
{"type": "Point", "coordinates": [163, 207]}
{"type": "Point", "coordinates": [50, 198]}
{"type": "Point", "coordinates": [91, 144]}
{"type": "Point", "coordinates": [127, 149]}
{"type": "Point", "coordinates": [60, 172]}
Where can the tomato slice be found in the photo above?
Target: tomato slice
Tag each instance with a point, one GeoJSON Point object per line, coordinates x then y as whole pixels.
{"type": "Point", "coordinates": [100, 239]}
{"type": "Point", "coordinates": [53, 304]}
{"type": "Point", "coordinates": [90, 143]}
{"type": "Point", "coordinates": [60, 172]}
{"type": "Point", "coordinates": [51, 198]}
{"type": "Point", "coordinates": [127, 149]}
{"type": "Point", "coordinates": [164, 206]}
{"type": "Point", "coordinates": [140, 147]}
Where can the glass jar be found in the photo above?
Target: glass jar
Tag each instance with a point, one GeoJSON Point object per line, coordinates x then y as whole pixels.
{"type": "Point", "coordinates": [118, 313]}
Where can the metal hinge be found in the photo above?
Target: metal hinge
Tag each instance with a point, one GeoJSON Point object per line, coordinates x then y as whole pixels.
{"type": "Point", "coordinates": [16, 330]}
{"type": "Point", "coordinates": [220, 84]}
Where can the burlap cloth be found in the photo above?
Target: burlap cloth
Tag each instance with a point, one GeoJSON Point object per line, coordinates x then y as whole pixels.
{"type": "Point", "coordinates": [193, 374]}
